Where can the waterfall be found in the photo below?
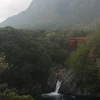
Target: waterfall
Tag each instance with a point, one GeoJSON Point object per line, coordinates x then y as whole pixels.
{"type": "Point", "coordinates": [57, 96]}
{"type": "Point", "coordinates": [55, 93]}
{"type": "Point", "coordinates": [58, 85]}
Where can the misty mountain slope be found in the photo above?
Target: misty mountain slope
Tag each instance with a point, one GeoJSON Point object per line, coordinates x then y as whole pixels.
{"type": "Point", "coordinates": [54, 14]}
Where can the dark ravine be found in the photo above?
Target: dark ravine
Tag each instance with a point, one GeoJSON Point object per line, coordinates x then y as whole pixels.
{"type": "Point", "coordinates": [68, 83]}
{"type": "Point", "coordinates": [60, 73]}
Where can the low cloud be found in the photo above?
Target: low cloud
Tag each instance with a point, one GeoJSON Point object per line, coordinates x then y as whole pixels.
{"type": "Point", "coordinates": [12, 7]}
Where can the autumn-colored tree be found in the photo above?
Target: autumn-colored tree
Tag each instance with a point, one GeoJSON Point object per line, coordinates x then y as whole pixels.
{"type": "Point", "coordinates": [85, 62]}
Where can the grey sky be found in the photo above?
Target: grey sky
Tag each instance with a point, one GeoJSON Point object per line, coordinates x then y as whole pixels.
{"type": "Point", "coordinates": [12, 7]}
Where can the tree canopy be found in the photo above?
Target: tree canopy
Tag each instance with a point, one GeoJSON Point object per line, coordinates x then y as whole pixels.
{"type": "Point", "coordinates": [85, 62]}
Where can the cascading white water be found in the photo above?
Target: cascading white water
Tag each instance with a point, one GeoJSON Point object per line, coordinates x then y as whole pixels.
{"type": "Point", "coordinates": [58, 84]}
{"type": "Point", "coordinates": [57, 96]}
{"type": "Point", "coordinates": [55, 93]}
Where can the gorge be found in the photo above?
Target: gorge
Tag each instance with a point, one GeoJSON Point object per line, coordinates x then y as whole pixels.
{"type": "Point", "coordinates": [52, 49]}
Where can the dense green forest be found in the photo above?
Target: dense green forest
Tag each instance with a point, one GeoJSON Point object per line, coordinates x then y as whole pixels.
{"type": "Point", "coordinates": [27, 56]}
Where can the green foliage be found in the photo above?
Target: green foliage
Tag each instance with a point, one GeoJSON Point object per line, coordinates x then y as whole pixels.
{"type": "Point", "coordinates": [3, 64]}
{"type": "Point", "coordinates": [14, 96]}
{"type": "Point", "coordinates": [85, 62]}
{"type": "Point", "coordinates": [31, 55]}
{"type": "Point", "coordinates": [27, 57]}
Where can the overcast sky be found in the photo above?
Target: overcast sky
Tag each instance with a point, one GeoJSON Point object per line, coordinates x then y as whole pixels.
{"type": "Point", "coordinates": [12, 7]}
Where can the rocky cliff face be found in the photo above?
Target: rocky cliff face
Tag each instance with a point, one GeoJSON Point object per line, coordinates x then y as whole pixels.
{"type": "Point", "coordinates": [68, 83]}
{"type": "Point", "coordinates": [55, 14]}
{"type": "Point", "coordinates": [60, 73]}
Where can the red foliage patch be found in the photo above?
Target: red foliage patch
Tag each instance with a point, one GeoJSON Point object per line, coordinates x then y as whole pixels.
{"type": "Point", "coordinates": [72, 43]}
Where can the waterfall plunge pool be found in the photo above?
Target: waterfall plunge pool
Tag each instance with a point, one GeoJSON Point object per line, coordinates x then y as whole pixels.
{"type": "Point", "coordinates": [57, 96]}
{"type": "Point", "coordinates": [66, 97]}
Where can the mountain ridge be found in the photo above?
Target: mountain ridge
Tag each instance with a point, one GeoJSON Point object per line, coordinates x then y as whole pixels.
{"type": "Point", "coordinates": [56, 14]}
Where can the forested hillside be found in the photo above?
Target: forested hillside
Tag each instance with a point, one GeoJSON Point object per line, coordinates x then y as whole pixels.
{"type": "Point", "coordinates": [27, 58]}
{"type": "Point", "coordinates": [51, 41]}
{"type": "Point", "coordinates": [85, 61]}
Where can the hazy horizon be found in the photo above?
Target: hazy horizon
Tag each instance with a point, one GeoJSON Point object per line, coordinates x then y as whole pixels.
{"type": "Point", "coordinates": [9, 8]}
